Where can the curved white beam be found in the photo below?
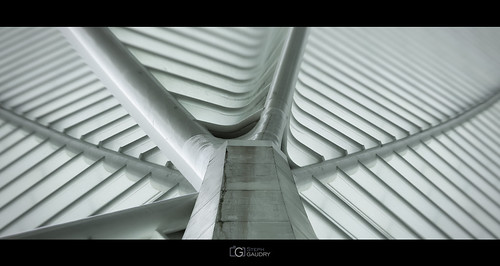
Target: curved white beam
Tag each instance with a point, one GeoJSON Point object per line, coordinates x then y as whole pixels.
{"type": "Point", "coordinates": [165, 217]}
{"type": "Point", "coordinates": [275, 116]}
{"type": "Point", "coordinates": [187, 143]}
{"type": "Point", "coordinates": [351, 159]}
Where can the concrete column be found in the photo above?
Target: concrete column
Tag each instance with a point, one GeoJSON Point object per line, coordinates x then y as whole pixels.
{"type": "Point", "coordinates": [249, 193]}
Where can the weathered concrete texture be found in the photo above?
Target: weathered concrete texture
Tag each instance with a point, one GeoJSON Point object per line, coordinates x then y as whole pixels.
{"type": "Point", "coordinates": [259, 199]}
{"type": "Point", "coordinates": [252, 196]}
{"type": "Point", "coordinates": [204, 215]}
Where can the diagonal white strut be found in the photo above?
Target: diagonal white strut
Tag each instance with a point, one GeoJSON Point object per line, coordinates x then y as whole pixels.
{"type": "Point", "coordinates": [242, 184]}
{"type": "Point", "coordinates": [186, 143]}
{"type": "Point", "coordinates": [173, 129]}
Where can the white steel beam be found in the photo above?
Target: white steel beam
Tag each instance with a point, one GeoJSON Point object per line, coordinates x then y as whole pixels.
{"type": "Point", "coordinates": [164, 217]}
{"type": "Point", "coordinates": [167, 123]}
{"type": "Point", "coordinates": [275, 116]}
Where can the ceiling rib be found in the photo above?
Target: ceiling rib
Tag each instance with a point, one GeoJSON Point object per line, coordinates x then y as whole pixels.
{"type": "Point", "coordinates": [93, 151]}
{"type": "Point", "coordinates": [351, 159]}
{"type": "Point", "coordinates": [163, 217]}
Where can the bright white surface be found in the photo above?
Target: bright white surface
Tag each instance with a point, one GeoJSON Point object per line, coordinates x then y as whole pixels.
{"type": "Point", "coordinates": [439, 187]}
{"type": "Point", "coordinates": [361, 87]}
{"type": "Point", "coordinates": [357, 89]}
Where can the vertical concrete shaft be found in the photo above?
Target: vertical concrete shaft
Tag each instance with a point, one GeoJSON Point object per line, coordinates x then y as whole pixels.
{"type": "Point", "coordinates": [251, 196]}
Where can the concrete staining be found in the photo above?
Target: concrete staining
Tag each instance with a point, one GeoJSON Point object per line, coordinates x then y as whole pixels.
{"type": "Point", "coordinates": [254, 197]}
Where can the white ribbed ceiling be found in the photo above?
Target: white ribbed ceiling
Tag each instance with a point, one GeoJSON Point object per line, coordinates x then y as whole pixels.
{"type": "Point", "coordinates": [393, 132]}
{"type": "Point", "coordinates": [68, 149]}
{"type": "Point", "coordinates": [360, 88]}
{"type": "Point", "coordinates": [443, 186]}
{"type": "Point", "coordinates": [56, 89]}
{"type": "Point", "coordinates": [220, 75]}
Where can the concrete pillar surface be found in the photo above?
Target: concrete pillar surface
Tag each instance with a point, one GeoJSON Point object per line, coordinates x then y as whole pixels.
{"type": "Point", "coordinates": [249, 194]}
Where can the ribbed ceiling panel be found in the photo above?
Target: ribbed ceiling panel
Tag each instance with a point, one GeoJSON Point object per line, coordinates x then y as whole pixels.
{"type": "Point", "coordinates": [393, 132]}
{"type": "Point", "coordinates": [220, 75]}
{"type": "Point", "coordinates": [445, 186]}
{"type": "Point", "coordinates": [68, 150]}
{"type": "Point", "coordinates": [43, 79]}
{"type": "Point", "coordinates": [361, 88]}
{"type": "Point", "coordinates": [44, 182]}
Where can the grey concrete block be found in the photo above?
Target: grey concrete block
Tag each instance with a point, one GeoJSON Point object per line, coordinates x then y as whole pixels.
{"type": "Point", "coordinates": [254, 230]}
{"type": "Point", "coordinates": [259, 198]}
{"type": "Point", "coordinates": [253, 206]}
{"type": "Point", "coordinates": [250, 177]}
{"type": "Point", "coordinates": [256, 197]}
{"type": "Point", "coordinates": [252, 212]}
{"type": "Point", "coordinates": [249, 154]}
{"type": "Point", "coordinates": [250, 169]}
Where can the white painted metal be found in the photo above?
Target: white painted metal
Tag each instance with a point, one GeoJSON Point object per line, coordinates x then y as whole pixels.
{"type": "Point", "coordinates": [359, 88]}
{"type": "Point", "coordinates": [186, 143]}
{"type": "Point", "coordinates": [275, 116]}
{"type": "Point", "coordinates": [220, 75]}
{"type": "Point", "coordinates": [393, 132]}
{"type": "Point", "coordinates": [160, 220]}
{"type": "Point", "coordinates": [49, 179]}
{"type": "Point", "coordinates": [434, 184]}
{"type": "Point", "coordinates": [74, 101]}
{"type": "Point", "coordinates": [66, 152]}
